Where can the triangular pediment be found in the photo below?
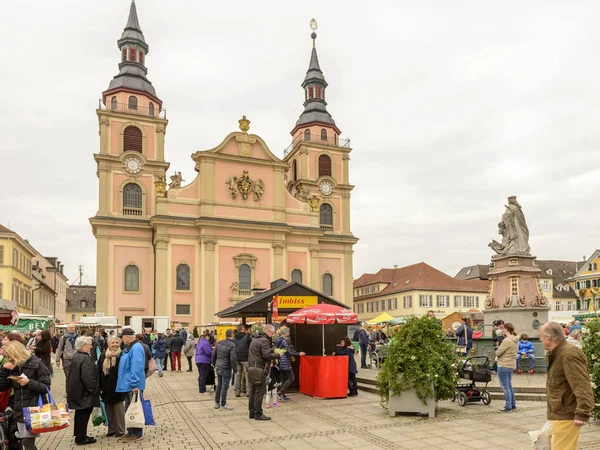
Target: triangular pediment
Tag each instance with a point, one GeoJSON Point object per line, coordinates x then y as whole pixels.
{"type": "Point", "coordinates": [241, 145]}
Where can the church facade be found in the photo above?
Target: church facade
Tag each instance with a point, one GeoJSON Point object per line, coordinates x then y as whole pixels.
{"type": "Point", "coordinates": [248, 218]}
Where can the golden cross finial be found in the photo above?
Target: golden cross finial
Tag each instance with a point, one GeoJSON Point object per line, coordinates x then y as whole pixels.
{"type": "Point", "coordinates": [244, 124]}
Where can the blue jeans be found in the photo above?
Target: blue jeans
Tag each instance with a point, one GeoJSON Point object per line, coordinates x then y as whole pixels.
{"type": "Point", "coordinates": [531, 360]}
{"type": "Point", "coordinates": [363, 355]}
{"type": "Point", "coordinates": [223, 380]}
{"type": "Point", "coordinates": [159, 363]}
{"type": "Point", "coordinates": [505, 378]}
{"type": "Point", "coordinates": [139, 432]}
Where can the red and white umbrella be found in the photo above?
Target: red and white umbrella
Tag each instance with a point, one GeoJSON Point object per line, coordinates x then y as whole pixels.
{"type": "Point", "coordinates": [323, 314]}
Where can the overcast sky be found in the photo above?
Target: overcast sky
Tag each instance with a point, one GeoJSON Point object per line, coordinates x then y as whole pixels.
{"type": "Point", "coordinates": [450, 106]}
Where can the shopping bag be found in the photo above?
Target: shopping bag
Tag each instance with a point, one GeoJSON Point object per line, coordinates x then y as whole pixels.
{"type": "Point", "coordinates": [542, 439]}
{"type": "Point", "coordinates": [134, 416]}
{"type": "Point", "coordinates": [103, 406]}
{"type": "Point", "coordinates": [46, 418]}
{"type": "Point", "coordinates": [152, 367]}
{"type": "Point", "coordinates": [98, 417]}
{"type": "Point", "coordinates": [148, 414]}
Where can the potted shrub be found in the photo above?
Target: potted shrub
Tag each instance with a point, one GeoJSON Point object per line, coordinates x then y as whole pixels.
{"type": "Point", "coordinates": [590, 338]}
{"type": "Point", "coordinates": [419, 368]}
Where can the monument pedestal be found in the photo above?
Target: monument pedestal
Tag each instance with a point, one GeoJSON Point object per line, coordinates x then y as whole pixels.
{"type": "Point", "coordinates": [515, 294]}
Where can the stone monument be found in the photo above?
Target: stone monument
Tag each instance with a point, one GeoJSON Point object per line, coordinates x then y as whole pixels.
{"type": "Point", "coordinates": [515, 294]}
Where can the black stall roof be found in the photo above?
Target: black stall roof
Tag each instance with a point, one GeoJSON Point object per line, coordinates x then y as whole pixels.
{"type": "Point", "coordinates": [257, 305]}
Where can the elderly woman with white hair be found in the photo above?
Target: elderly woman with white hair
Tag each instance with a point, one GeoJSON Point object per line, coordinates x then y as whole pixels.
{"type": "Point", "coordinates": [82, 389]}
{"type": "Point", "coordinates": [108, 369]}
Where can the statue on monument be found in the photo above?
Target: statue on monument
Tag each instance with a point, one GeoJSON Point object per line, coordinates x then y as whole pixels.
{"type": "Point", "coordinates": [514, 231]}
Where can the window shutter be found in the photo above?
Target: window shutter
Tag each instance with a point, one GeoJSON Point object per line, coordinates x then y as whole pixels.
{"type": "Point", "coordinates": [324, 166]}
{"type": "Point", "coordinates": [132, 139]}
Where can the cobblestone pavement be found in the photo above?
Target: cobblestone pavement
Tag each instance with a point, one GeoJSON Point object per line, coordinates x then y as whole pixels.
{"type": "Point", "coordinates": [186, 420]}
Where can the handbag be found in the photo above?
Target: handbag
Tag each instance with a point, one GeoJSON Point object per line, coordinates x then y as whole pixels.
{"type": "Point", "coordinates": [152, 367]}
{"type": "Point", "coordinates": [134, 416]}
{"type": "Point", "coordinates": [256, 374]}
{"type": "Point", "coordinates": [148, 414]}
{"type": "Point", "coordinates": [98, 416]}
{"type": "Point", "coordinates": [48, 417]}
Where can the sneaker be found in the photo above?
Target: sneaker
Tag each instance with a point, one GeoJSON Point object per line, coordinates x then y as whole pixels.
{"type": "Point", "coordinates": [133, 438]}
{"type": "Point", "coordinates": [268, 406]}
{"type": "Point", "coordinates": [276, 405]}
{"type": "Point", "coordinates": [519, 372]}
{"type": "Point", "coordinates": [531, 372]}
{"type": "Point", "coordinates": [282, 397]}
{"type": "Point", "coordinates": [227, 408]}
{"type": "Point", "coordinates": [217, 406]}
{"type": "Point", "coordinates": [111, 434]}
{"type": "Point", "coordinates": [505, 410]}
{"type": "Point", "coordinates": [263, 417]}
{"type": "Point", "coordinates": [124, 436]}
{"type": "Point", "coordinates": [189, 370]}
{"type": "Point", "coordinates": [514, 407]}
{"type": "Point", "coordinates": [179, 371]}
{"type": "Point", "coordinates": [285, 397]}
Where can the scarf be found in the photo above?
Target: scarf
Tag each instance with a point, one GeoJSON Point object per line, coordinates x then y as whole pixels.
{"type": "Point", "coordinates": [110, 360]}
{"type": "Point", "coordinates": [71, 338]}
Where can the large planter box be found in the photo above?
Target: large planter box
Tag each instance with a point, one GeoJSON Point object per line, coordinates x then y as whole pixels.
{"type": "Point", "coordinates": [408, 402]}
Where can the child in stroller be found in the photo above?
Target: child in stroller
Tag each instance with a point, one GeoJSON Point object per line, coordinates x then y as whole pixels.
{"type": "Point", "coordinates": [477, 370]}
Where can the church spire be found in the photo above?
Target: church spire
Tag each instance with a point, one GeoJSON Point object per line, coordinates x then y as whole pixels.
{"type": "Point", "coordinates": [132, 68]}
{"type": "Point", "coordinates": [314, 84]}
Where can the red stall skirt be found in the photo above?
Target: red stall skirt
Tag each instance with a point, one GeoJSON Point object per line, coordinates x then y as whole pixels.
{"type": "Point", "coordinates": [324, 376]}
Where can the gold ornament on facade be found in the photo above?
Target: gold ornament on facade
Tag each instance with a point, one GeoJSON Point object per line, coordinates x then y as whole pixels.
{"type": "Point", "coordinates": [314, 203]}
{"type": "Point", "coordinates": [244, 140]}
{"type": "Point", "coordinates": [160, 187]}
{"type": "Point", "coordinates": [244, 124]}
{"type": "Point", "coordinates": [244, 185]}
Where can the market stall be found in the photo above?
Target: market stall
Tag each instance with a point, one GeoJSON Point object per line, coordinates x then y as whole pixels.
{"type": "Point", "coordinates": [323, 376]}
{"type": "Point", "coordinates": [289, 297]}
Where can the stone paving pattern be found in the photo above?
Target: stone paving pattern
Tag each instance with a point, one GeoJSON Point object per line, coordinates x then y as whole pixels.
{"type": "Point", "coordinates": [187, 420]}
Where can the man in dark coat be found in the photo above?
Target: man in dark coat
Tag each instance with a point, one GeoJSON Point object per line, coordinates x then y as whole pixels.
{"type": "Point", "coordinates": [363, 342]}
{"type": "Point", "coordinates": [224, 360]}
{"type": "Point", "coordinates": [176, 345]}
{"type": "Point", "coordinates": [82, 390]}
{"type": "Point", "coordinates": [168, 336]}
{"type": "Point", "coordinates": [260, 356]}
{"type": "Point", "coordinates": [242, 341]}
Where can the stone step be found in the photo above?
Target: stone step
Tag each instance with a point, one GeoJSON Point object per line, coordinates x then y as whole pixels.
{"type": "Point", "coordinates": [527, 394]}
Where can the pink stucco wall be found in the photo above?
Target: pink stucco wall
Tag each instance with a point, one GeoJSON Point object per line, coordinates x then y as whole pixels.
{"type": "Point", "coordinates": [184, 210]}
{"type": "Point", "coordinates": [244, 233]}
{"type": "Point", "coordinates": [297, 260]}
{"type": "Point", "coordinates": [333, 266]}
{"type": "Point", "coordinates": [228, 272]}
{"type": "Point", "coordinates": [142, 258]}
{"type": "Point", "coordinates": [296, 219]}
{"type": "Point", "coordinates": [256, 150]}
{"type": "Point", "coordinates": [190, 190]}
{"type": "Point", "coordinates": [183, 254]}
{"type": "Point", "coordinates": [241, 212]}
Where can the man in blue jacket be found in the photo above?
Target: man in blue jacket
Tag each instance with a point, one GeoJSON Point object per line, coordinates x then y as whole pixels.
{"type": "Point", "coordinates": [525, 351]}
{"type": "Point", "coordinates": [363, 342]}
{"type": "Point", "coordinates": [132, 376]}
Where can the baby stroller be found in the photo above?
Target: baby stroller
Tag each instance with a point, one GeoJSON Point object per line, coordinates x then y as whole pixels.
{"type": "Point", "coordinates": [477, 370]}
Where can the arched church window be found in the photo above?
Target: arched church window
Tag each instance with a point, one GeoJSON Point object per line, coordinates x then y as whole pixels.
{"type": "Point", "coordinates": [296, 276]}
{"type": "Point", "coordinates": [133, 102]}
{"type": "Point", "coordinates": [132, 278]}
{"type": "Point", "coordinates": [245, 278]}
{"type": "Point", "coordinates": [132, 200]}
{"type": "Point", "coordinates": [324, 165]}
{"type": "Point", "coordinates": [113, 102]}
{"type": "Point", "coordinates": [327, 284]}
{"type": "Point", "coordinates": [294, 171]}
{"type": "Point", "coordinates": [183, 277]}
{"type": "Point", "coordinates": [307, 135]}
{"type": "Point", "coordinates": [132, 139]}
{"type": "Point", "coordinates": [323, 134]}
{"type": "Point", "coordinates": [151, 109]}
{"type": "Point", "coordinates": [326, 216]}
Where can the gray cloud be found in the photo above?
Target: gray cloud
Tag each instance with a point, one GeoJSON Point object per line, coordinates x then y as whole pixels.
{"type": "Point", "coordinates": [451, 107]}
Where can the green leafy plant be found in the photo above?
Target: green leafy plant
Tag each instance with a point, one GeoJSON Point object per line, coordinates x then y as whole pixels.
{"type": "Point", "coordinates": [418, 355]}
{"type": "Point", "coordinates": [591, 347]}
{"type": "Point", "coordinates": [196, 334]}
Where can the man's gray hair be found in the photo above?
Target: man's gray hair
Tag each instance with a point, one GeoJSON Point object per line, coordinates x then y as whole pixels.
{"type": "Point", "coordinates": [81, 341]}
{"type": "Point", "coordinates": [554, 331]}
{"type": "Point", "coordinates": [270, 328]}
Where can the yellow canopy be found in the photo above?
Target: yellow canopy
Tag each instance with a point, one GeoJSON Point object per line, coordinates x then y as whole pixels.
{"type": "Point", "coordinates": [381, 318]}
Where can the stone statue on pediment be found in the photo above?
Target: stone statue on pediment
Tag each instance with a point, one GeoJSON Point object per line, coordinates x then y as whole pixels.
{"type": "Point", "coordinates": [514, 231]}
{"type": "Point", "coordinates": [176, 181]}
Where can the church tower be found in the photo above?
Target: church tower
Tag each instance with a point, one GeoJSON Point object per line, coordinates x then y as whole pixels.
{"type": "Point", "coordinates": [131, 170]}
{"type": "Point", "coordinates": [318, 157]}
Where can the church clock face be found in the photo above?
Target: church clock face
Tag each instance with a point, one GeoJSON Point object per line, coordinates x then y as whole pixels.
{"type": "Point", "coordinates": [132, 164]}
{"type": "Point", "coordinates": [326, 187]}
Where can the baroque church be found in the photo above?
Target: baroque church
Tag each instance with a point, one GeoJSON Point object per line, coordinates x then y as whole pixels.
{"type": "Point", "coordinates": [248, 218]}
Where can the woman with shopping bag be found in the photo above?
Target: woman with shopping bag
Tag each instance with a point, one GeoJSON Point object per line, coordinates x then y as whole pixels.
{"type": "Point", "coordinates": [82, 391]}
{"type": "Point", "coordinates": [30, 379]}
{"type": "Point", "coordinates": [108, 367]}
